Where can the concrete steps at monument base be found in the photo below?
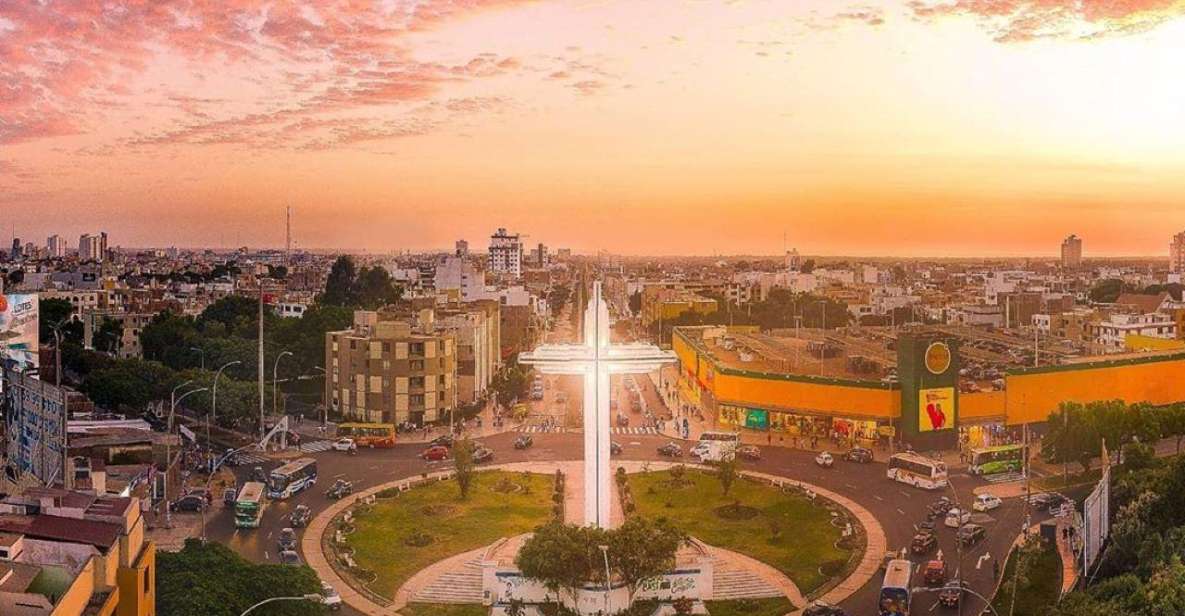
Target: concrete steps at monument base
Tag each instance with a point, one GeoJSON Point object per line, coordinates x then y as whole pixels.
{"type": "Point", "coordinates": [460, 586]}
{"type": "Point", "coordinates": [730, 583]}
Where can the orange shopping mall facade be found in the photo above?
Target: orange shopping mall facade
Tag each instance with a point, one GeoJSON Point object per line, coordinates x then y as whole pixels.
{"type": "Point", "coordinates": [923, 407]}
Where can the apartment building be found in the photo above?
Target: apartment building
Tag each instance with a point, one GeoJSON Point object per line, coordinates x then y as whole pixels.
{"type": "Point", "coordinates": [70, 553]}
{"type": "Point", "coordinates": [384, 370]}
{"type": "Point", "coordinates": [1072, 252]}
{"type": "Point", "coordinates": [1110, 335]}
{"type": "Point", "coordinates": [131, 324]}
{"type": "Point", "coordinates": [1177, 254]}
{"type": "Point", "coordinates": [506, 254]}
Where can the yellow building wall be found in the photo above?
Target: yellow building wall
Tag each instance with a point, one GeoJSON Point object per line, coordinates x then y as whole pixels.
{"type": "Point", "coordinates": [982, 405]}
{"type": "Point", "coordinates": [824, 398]}
{"type": "Point", "coordinates": [74, 600]}
{"type": "Point", "coordinates": [137, 585]}
{"type": "Point", "coordinates": [1032, 396]}
{"type": "Point", "coordinates": [1135, 342]}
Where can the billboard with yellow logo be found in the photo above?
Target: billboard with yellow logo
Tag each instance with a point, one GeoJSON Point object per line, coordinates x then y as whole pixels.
{"type": "Point", "coordinates": [936, 409]}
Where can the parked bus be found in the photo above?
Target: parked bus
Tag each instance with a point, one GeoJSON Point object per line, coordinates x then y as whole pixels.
{"type": "Point", "coordinates": [368, 434]}
{"type": "Point", "coordinates": [917, 470]}
{"type": "Point", "coordinates": [894, 598]}
{"type": "Point", "coordinates": [292, 478]}
{"type": "Point", "coordinates": [998, 459]}
{"type": "Point", "coordinates": [249, 505]}
{"type": "Point", "coordinates": [716, 446]}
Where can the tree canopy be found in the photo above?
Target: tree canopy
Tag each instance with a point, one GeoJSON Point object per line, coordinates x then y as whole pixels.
{"type": "Point", "coordinates": [211, 580]}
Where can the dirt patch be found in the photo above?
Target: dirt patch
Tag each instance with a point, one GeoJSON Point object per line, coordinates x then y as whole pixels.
{"type": "Point", "coordinates": [418, 540]}
{"type": "Point", "coordinates": [439, 511]}
{"type": "Point", "coordinates": [507, 486]}
{"type": "Point", "coordinates": [736, 511]}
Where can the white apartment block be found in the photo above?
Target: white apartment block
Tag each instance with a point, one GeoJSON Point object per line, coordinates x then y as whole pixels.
{"type": "Point", "coordinates": [506, 254]}
{"type": "Point", "coordinates": [1111, 335]}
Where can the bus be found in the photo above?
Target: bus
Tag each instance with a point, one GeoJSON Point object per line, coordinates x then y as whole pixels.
{"type": "Point", "coordinates": [249, 505]}
{"type": "Point", "coordinates": [917, 470]}
{"type": "Point", "coordinates": [894, 598]}
{"type": "Point", "coordinates": [998, 459]}
{"type": "Point", "coordinates": [368, 434]}
{"type": "Point", "coordinates": [292, 478]}
{"type": "Point", "coordinates": [716, 446]}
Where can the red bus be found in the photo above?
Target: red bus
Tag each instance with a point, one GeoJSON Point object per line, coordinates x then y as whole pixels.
{"type": "Point", "coordinates": [369, 434]}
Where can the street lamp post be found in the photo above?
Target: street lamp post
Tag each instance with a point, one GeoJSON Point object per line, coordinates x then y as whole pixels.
{"type": "Point", "coordinates": [324, 407]}
{"type": "Point", "coordinates": [202, 354]}
{"type": "Point", "coordinates": [169, 446]}
{"type": "Point", "coordinates": [275, 371]}
{"type": "Point", "coordinates": [608, 588]}
{"type": "Point", "coordinates": [214, 395]}
{"type": "Point", "coordinates": [312, 598]}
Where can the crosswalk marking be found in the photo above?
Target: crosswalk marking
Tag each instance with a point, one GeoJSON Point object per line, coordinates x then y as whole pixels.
{"type": "Point", "coordinates": [1004, 477]}
{"type": "Point", "coordinates": [316, 446]}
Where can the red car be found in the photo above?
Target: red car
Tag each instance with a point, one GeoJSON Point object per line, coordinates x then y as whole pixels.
{"type": "Point", "coordinates": [435, 452]}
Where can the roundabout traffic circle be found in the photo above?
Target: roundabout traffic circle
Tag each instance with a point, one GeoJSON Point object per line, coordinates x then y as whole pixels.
{"type": "Point", "coordinates": [755, 529]}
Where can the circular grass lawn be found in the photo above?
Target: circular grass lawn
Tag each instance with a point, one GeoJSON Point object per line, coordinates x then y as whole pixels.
{"type": "Point", "coordinates": [785, 530]}
{"type": "Point", "coordinates": [398, 536]}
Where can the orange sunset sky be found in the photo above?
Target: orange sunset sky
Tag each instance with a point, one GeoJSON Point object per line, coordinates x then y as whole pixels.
{"type": "Point", "coordinates": [932, 127]}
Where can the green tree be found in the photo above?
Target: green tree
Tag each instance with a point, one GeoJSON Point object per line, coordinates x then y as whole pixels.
{"type": "Point", "coordinates": [464, 466]}
{"type": "Point", "coordinates": [339, 285]}
{"type": "Point", "coordinates": [237, 314]}
{"type": "Point", "coordinates": [636, 302]}
{"type": "Point", "coordinates": [209, 579]}
{"type": "Point", "coordinates": [726, 472]}
{"type": "Point", "coordinates": [1106, 291]}
{"type": "Point", "coordinates": [128, 383]}
{"type": "Point", "coordinates": [109, 337]}
{"type": "Point", "coordinates": [1172, 422]}
{"type": "Point", "coordinates": [560, 556]}
{"type": "Point", "coordinates": [374, 288]}
{"type": "Point", "coordinates": [168, 338]}
{"type": "Point", "coordinates": [643, 548]}
{"type": "Point", "coordinates": [50, 312]}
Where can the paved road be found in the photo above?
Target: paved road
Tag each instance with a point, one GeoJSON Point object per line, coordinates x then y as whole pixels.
{"type": "Point", "coordinates": [897, 506]}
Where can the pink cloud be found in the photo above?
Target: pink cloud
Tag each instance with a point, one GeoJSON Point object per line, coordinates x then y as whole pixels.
{"type": "Point", "coordinates": [1014, 21]}
{"type": "Point", "coordinates": [871, 16]}
{"type": "Point", "coordinates": [61, 61]}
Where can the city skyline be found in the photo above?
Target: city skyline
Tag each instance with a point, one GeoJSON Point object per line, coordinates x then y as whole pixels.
{"type": "Point", "coordinates": [890, 128]}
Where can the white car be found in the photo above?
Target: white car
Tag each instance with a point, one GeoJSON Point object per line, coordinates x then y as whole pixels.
{"type": "Point", "coordinates": [330, 598]}
{"type": "Point", "coordinates": [344, 444]}
{"type": "Point", "coordinates": [986, 502]}
{"type": "Point", "coordinates": [699, 450]}
{"type": "Point", "coordinates": [825, 460]}
{"type": "Point", "coordinates": [957, 517]}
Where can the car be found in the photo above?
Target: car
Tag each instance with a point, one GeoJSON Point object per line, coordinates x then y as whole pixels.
{"type": "Point", "coordinates": [825, 459]}
{"type": "Point", "coordinates": [482, 454]}
{"type": "Point", "coordinates": [287, 540]}
{"type": "Point", "coordinates": [862, 455]}
{"type": "Point", "coordinates": [922, 543]}
{"type": "Point", "coordinates": [819, 608]}
{"type": "Point", "coordinates": [700, 450]}
{"type": "Point", "coordinates": [925, 526]}
{"type": "Point", "coordinates": [229, 496]}
{"type": "Point", "coordinates": [614, 448]}
{"type": "Point", "coordinates": [887, 558]}
{"type": "Point", "coordinates": [444, 440]}
{"type": "Point", "coordinates": [300, 516]}
{"type": "Point", "coordinates": [289, 557]}
{"type": "Point", "coordinates": [970, 534]}
{"type": "Point", "coordinates": [524, 441]}
{"type": "Point", "coordinates": [950, 594]}
{"type": "Point", "coordinates": [671, 450]}
{"type": "Point", "coordinates": [934, 573]}
{"type": "Point", "coordinates": [340, 489]}
{"type": "Point", "coordinates": [344, 444]}
{"type": "Point", "coordinates": [986, 502]}
{"type": "Point", "coordinates": [202, 492]}
{"type": "Point", "coordinates": [257, 474]}
{"type": "Point", "coordinates": [1052, 502]}
{"type": "Point", "coordinates": [330, 598]}
{"type": "Point", "coordinates": [939, 507]}
{"type": "Point", "coordinates": [749, 452]}
{"type": "Point", "coordinates": [956, 517]}
{"type": "Point", "coordinates": [622, 420]}
{"type": "Point", "coordinates": [191, 502]}
{"type": "Point", "coordinates": [435, 452]}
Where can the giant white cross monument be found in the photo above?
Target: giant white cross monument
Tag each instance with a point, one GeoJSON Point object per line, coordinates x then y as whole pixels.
{"type": "Point", "coordinates": [596, 360]}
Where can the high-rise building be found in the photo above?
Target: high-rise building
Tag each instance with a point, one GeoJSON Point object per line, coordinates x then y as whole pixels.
{"type": "Point", "coordinates": [462, 248]}
{"type": "Point", "coordinates": [1177, 253]}
{"type": "Point", "coordinates": [56, 246]}
{"type": "Point", "coordinates": [506, 253]}
{"type": "Point", "coordinates": [92, 247]}
{"type": "Point", "coordinates": [16, 249]}
{"type": "Point", "coordinates": [1072, 252]}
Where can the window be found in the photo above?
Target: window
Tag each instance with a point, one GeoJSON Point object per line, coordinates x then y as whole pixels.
{"type": "Point", "coordinates": [417, 348]}
{"type": "Point", "coordinates": [417, 364]}
{"type": "Point", "coordinates": [417, 381]}
{"type": "Point", "coordinates": [148, 580]}
{"type": "Point", "coordinates": [416, 399]}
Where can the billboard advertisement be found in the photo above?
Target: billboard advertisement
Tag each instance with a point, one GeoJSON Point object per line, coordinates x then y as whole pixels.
{"type": "Point", "coordinates": [1096, 516]}
{"type": "Point", "coordinates": [18, 331]}
{"type": "Point", "coordinates": [936, 409]}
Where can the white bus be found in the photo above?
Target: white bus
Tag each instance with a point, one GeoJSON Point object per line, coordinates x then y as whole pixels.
{"type": "Point", "coordinates": [249, 505]}
{"type": "Point", "coordinates": [894, 598]}
{"type": "Point", "coordinates": [918, 471]}
{"type": "Point", "coordinates": [716, 446]}
{"type": "Point", "coordinates": [292, 478]}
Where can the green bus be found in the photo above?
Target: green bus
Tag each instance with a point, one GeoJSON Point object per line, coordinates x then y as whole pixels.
{"type": "Point", "coordinates": [249, 505]}
{"type": "Point", "coordinates": [998, 459]}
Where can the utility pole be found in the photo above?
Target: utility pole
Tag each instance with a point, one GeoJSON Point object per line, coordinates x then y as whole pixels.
{"type": "Point", "coordinates": [262, 423]}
